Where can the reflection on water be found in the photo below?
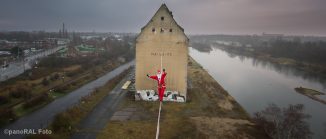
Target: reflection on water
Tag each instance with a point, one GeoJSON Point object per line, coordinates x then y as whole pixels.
{"type": "Point", "coordinates": [288, 71]}
{"type": "Point", "coordinates": [256, 83]}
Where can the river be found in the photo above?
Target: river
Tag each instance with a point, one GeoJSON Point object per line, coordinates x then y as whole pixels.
{"type": "Point", "coordinates": [255, 84]}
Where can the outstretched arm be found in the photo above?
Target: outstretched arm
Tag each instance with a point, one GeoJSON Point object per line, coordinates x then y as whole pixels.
{"type": "Point", "coordinates": [153, 77]}
{"type": "Point", "coordinates": [164, 74]}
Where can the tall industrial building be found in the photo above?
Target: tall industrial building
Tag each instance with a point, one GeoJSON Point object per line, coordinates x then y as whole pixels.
{"type": "Point", "coordinates": [162, 38]}
{"type": "Point", "coordinates": [63, 33]}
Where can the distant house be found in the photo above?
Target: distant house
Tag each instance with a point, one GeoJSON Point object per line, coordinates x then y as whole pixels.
{"type": "Point", "coordinates": [5, 53]}
{"type": "Point", "coordinates": [80, 50]}
{"type": "Point", "coordinates": [72, 52]}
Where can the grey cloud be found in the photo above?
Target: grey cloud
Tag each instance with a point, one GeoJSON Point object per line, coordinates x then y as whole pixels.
{"type": "Point", "coordinates": [196, 16]}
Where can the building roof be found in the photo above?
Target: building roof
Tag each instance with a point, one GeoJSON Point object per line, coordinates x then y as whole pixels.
{"type": "Point", "coordinates": [164, 7]}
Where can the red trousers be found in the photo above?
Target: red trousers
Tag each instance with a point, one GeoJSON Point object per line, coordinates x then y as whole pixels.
{"type": "Point", "coordinates": [161, 92]}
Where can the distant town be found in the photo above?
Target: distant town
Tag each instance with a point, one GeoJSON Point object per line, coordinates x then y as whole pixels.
{"type": "Point", "coordinates": [22, 50]}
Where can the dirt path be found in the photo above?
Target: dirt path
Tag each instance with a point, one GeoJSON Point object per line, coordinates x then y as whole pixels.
{"type": "Point", "coordinates": [101, 114]}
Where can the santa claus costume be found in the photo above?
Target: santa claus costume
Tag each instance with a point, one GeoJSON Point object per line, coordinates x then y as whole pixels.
{"type": "Point", "coordinates": [160, 78]}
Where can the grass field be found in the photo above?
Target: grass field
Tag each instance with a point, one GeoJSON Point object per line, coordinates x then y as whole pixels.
{"type": "Point", "coordinates": [56, 87]}
{"type": "Point", "coordinates": [308, 91]}
{"type": "Point", "coordinates": [66, 123]}
{"type": "Point", "coordinates": [210, 112]}
{"type": "Point", "coordinates": [311, 93]}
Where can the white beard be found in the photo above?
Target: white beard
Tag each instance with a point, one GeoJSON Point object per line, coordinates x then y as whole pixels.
{"type": "Point", "coordinates": [159, 77]}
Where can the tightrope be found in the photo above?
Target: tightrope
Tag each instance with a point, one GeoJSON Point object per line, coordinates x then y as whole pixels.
{"type": "Point", "coordinates": [158, 121]}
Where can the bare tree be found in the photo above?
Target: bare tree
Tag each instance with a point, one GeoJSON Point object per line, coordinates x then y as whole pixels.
{"type": "Point", "coordinates": [286, 123]}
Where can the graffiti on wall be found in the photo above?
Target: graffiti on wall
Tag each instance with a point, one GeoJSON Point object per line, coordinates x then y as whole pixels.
{"type": "Point", "coordinates": [151, 95]}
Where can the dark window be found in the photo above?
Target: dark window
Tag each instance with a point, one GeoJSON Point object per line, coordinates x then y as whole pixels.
{"type": "Point", "coordinates": [162, 18]}
{"type": "Point", "coordinates": [153, 29]}
{"type": "Point", "coordinates": [162, 30]}
{"type": "Point", "coordinates": [170, 29]}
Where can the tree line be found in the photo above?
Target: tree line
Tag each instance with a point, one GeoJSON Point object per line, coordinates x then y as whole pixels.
{"type": "Point", "coordinates": [27, 36]}
{"type": "Point", "coordinates": [312, 52]}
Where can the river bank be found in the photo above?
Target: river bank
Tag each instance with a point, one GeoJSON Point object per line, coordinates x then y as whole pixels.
{"type": "Point", "coordinates": [311, 93]}
{"type": "Point", "coordinates": [313, 69]}
{"type": "Point", "coordinates": [256, 83]}
{"type": "Point", "coordinates": [210, 112]}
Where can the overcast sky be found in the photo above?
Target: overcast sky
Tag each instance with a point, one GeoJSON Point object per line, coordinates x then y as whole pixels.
{"type": "Point", "coordinates": [306, 17]}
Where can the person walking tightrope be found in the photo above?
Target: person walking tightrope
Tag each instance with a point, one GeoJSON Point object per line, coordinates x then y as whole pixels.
{"type": "Point", "coordinates": [160, 78]}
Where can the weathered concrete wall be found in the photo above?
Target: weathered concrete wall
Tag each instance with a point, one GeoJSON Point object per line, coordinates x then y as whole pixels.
{"type": "Point", "coordinates": [162, 37]}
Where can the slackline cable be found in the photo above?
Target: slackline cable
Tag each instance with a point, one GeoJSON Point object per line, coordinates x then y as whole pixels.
{"type": "Point", "coordinates": [158, 121]}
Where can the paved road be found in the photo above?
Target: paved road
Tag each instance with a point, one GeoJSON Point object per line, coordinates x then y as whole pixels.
{"type": "Point", "coordinates": [101, 114]}
{"type": "Point", "coordinates": [16, 68]}
{"type": "Point", "coordinates": [43, 117]}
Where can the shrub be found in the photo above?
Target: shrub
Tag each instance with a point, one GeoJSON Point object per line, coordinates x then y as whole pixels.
{"type": "Point", "coordinates": [36, 101]}
{"type": "Point", "coordinates": [62, 122]}
{"type": "Point", "coordinates": [39, 73]}
{"type": "Point", "coordinates": [72, 73]}
{"type": "Point", "coordinates": [45, 82]}
{"type": "Point", "coordinates": [61, 89]}
{"type": "Point", "coordinates": [54, 77]}
{"type": "Point", "coordinates": [33, 84]}
{"type": "Point", "coordinates": [281, 123]}
{"type": "Point", "coordinates": [21, 91]}
{"type": "Point", "coordinates": [7, 115]}
{"type": "Point", "coordinates": [4, 99]}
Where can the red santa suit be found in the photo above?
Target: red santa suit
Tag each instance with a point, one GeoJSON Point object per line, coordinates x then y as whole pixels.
{"type": "Point", "coordinates": [160, 78]}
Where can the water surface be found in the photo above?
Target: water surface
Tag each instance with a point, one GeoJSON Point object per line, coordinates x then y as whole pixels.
{"type": "Point", "coordinates": [255, 83]}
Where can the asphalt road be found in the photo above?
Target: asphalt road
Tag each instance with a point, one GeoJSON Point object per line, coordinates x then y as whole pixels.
{"type": "Point", "coordinates": [16, 68]}
{"type": "Point", "coordinates": [43, 117]}
{"type": "Point", "coordinates": [101, 114]}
